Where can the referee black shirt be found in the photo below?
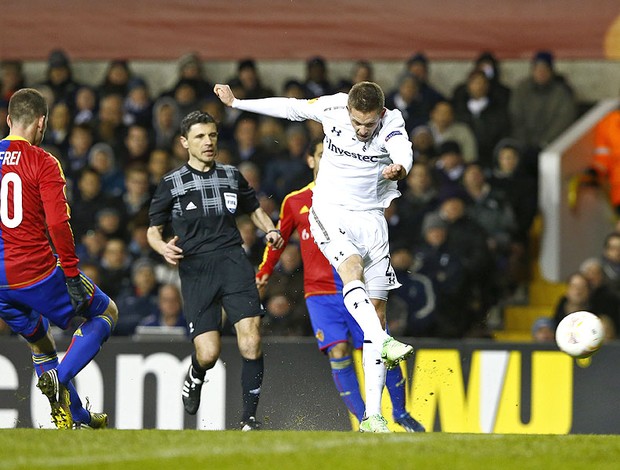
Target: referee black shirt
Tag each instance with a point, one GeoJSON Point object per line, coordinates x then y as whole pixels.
{"type": "Point", "coordinates": [202, 206]}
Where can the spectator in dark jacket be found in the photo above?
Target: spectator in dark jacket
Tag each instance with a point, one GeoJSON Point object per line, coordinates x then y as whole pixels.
{"type": "Point", "coordinates": [488, 119]}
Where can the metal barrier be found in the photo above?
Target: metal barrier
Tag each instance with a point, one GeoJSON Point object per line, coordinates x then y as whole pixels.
{"type": "Point", "coordinates": [575, 220]}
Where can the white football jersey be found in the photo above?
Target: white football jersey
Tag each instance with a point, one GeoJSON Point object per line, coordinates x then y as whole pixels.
{"type": "Point", "coordinates": [350, 172]}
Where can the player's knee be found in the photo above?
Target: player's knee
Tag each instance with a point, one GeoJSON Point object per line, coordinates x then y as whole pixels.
{"type": "Point", "coordinates": [339, 350]}
{"type": "Point", "coordinates": [250, 346]}
{"type": "Point", "coordinates": [351, 269]}
{"type": "Point", "coordinates": [44, 345]}
{"type": "Point", "coordinates": [207, 355]}
{"type": "Point", "coordinates": [112, 311]}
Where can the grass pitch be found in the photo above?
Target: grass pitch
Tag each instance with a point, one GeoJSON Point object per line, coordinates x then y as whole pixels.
{"type": "Point", "coordinates": [299, 450]}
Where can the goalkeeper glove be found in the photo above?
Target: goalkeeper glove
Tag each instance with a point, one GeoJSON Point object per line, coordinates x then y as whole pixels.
{"type": "Point", "coordinates": [77, 292]}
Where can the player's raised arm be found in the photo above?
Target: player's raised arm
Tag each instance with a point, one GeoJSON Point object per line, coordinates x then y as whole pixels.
{"type": "Point", "coordinates": [278, 107]}
{"type": "Point", "coordinates": [224, 93]}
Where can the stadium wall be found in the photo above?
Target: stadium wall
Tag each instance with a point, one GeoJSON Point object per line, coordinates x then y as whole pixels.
{"type": "Point", "coordinates": [295, 29]}
{"type": "Point", "coordinates": [471, 386]}
{"type": "Point", "coordinates": [282, 34]}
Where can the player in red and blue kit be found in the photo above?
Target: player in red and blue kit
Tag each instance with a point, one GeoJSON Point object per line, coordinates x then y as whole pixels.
{"type": "Point", "coordinates": [334, 327]}
{"type": "Point", "coordinates": [37, 285]}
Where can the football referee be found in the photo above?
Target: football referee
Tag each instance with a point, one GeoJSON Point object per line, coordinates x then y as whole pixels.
{"type": "Point", "coordinates": [201, 200]}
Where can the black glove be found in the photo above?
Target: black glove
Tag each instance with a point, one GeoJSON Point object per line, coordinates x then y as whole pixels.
{"type": "Point", "coordinates": [77, 292]}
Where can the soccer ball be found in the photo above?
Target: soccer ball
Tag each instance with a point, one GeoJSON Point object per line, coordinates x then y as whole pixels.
{"type": "Point", "coordinates": [580, 334]}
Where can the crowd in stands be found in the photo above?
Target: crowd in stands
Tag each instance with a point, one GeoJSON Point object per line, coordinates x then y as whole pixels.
{"type": "Point", "coordinates": [459, 233]}
{"type": "Point", "coordinates": [593, 287]}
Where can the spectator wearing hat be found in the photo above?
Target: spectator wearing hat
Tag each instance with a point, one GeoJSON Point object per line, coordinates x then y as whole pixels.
{"type": "Point", "coordinates": [138, 106]}
{"type": "Point", "coordinates": [448, 170]}
{"type": "Point", "coordinates": [190, 71]}
{"type": "Point", "coordinates": [101, 158]}
{"type": "Point", "coordinates": [317, 82]}
{"type": "Point", "coordinates": [488, 64]}
{"type": "Point", "coordinates": [166, 120]}
{"type": "Point", "coordinates": [116, 79]}
{"type": "Point", "coordinates": [418, 65]}
{"type": "Point", "coordinates": [59, 77]}
{"type": "Point", "coordinates": [443, 267]}
{"type": "Point", "coordinates": [542, 106]}
{"type": "Point", "coordinates": [543, 330]}
{"type": "Point", "coordinates": [410, 307]}
{"type": "Point", "coordinates": [444, 126]}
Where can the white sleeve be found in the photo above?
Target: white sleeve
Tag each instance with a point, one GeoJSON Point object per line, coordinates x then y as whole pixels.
{"type": "Point", "coordinates": [397, 142]}
{"type": "Point", "coordinates": [285, 108]}
{"type": "Point", "coordinates": [401, 151]}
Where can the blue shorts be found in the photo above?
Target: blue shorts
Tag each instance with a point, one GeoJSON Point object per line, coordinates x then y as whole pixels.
{"type": "Point", "coordinates": [332, 323]}
{"type": "Point", "coordinates": [22, 308]}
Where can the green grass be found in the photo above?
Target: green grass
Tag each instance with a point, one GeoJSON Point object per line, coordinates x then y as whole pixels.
{"type": "Point", "coordinates": [153, 449]}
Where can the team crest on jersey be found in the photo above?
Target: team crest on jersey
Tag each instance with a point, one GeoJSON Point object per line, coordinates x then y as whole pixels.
{"type": "Point", "coordinates": [230, 199]}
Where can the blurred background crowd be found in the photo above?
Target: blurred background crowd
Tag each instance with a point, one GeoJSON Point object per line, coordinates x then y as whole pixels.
{"type": "Point", "coordinates": [459, 233]}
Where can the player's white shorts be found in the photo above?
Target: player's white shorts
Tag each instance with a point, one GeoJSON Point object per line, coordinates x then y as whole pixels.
{"type": "Point", "coordinates": [341, 233]}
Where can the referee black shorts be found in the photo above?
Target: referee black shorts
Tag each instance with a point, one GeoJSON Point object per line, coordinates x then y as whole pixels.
{"type": "Point", "coordinates": [210, 282]}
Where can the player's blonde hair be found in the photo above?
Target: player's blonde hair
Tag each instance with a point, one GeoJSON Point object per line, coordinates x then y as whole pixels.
{"type": "Point", "coordinates": [366, 97]}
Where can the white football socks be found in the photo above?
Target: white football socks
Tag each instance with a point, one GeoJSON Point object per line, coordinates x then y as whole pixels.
{"type": "Point", "coordinates": [374, 377]}
{"type": "Point", "coordinates": [360, 307]}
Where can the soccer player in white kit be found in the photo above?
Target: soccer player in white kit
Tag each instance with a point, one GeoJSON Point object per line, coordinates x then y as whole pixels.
{"type": "Point", "coordinates": [365, 151]}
